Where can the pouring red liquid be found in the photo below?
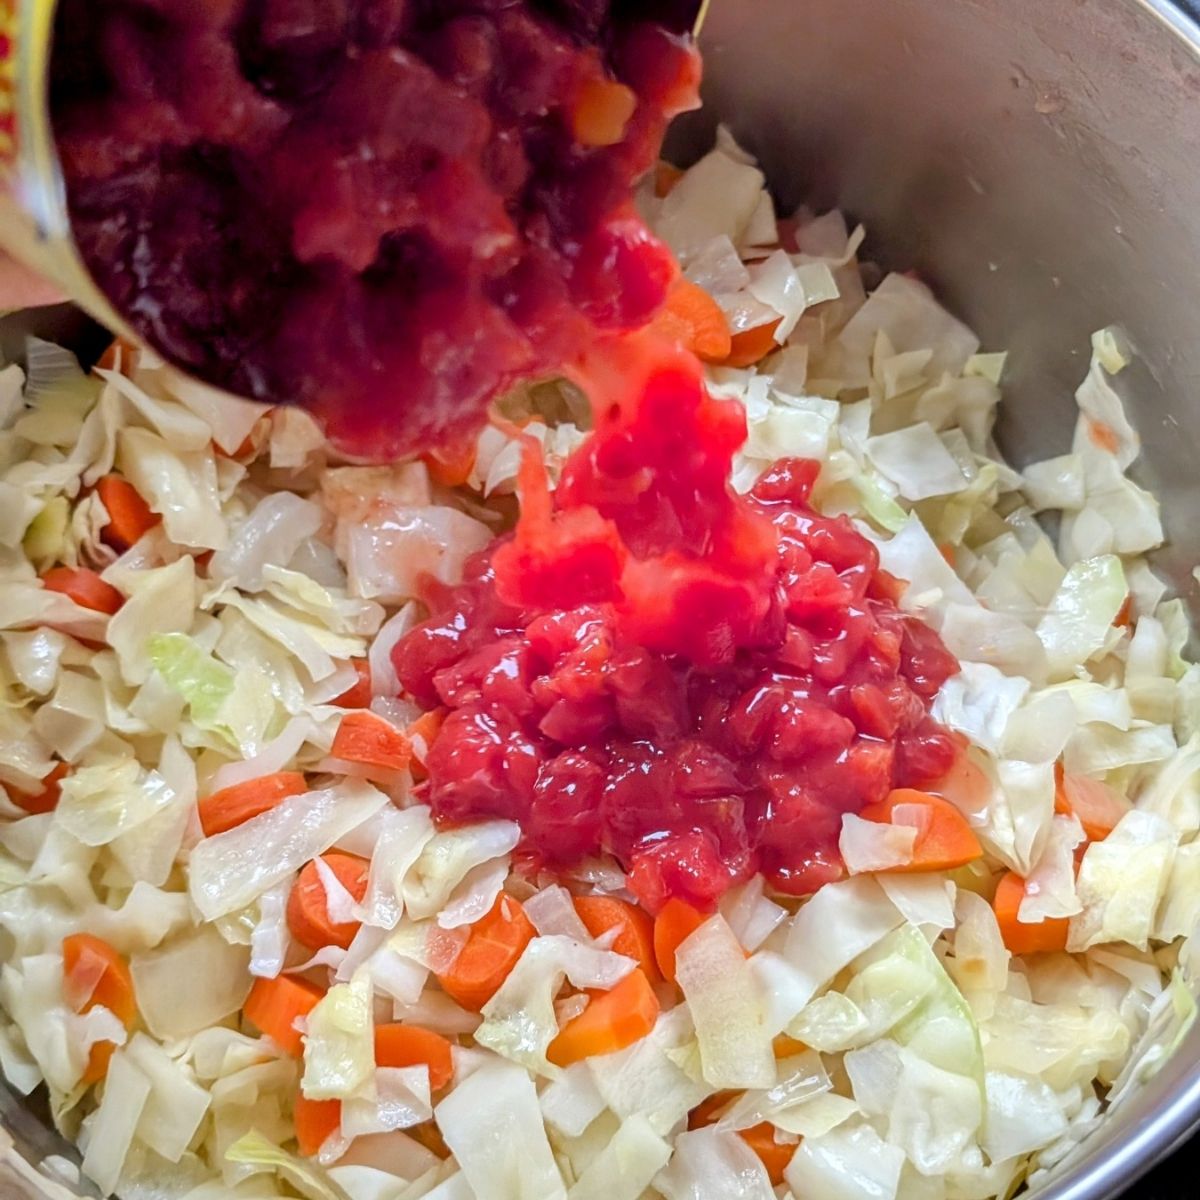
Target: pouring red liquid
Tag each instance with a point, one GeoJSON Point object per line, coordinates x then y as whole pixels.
{"type": "Point", "coordinates": [389, 212]}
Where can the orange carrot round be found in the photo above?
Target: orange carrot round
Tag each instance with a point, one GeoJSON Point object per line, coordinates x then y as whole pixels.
{"type": "Point", "coordinates": [412, 1046]}
{"type": "Point", "coordinates": [611, 1021]}
{"type": "Point", "coordinates": [316, 1122]}
{"type": "Point", "coordinates": [945, 842]}
{"type": "Point", "coordinates": [752, 345]}
{"type": "Point", "coordinates": [307, 910]}
{"type": "Point", "coordinates": [666, 179]}
{"type": "Point", "coordinates": [1023, 937]}
{"type": "Point", "coordinates": [358, 694]}
{"type": "Point", "coordinates": [96, 976]}
{"type": "Point", "coordinates": [47, 799]}
{"type": "Point", "coordinates": [85, 587]}
{"type": "Point", "coordinates": [129, 516]}
{"type": "Point", "coordinates": [451, 467]}
{"type": "Point", "coordinates": [1098, 808]}
{"type": "Point", "coordinates": [275, 1005]}
{"type": "Point", "coordinates": [234, 805]}
{"type": "Point", "coordinates": [493, 947]}
{"type": "Point", "coordinates": [773, 1155]}
{"type": "Point", "coordinates": [672, 926]}
{"type": "Point", "coordinates": [635, 929]}
{"type": "Point", "coordinates": [365, 737]}
{"type": "Point", "coordinates": [693, 319]}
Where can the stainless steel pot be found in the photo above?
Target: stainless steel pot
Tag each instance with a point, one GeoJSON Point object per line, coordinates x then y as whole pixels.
{"type": "Point", "coordinates": [1039, 160]}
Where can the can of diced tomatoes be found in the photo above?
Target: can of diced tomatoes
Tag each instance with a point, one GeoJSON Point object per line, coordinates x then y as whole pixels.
{"type": "Point", "coordinates": [35, 227]}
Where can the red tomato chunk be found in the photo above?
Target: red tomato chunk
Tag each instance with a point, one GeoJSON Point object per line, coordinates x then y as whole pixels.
{"type": "Point", "coordinates": [699, 683]}
{"type": "Point", "coordinates": [385, 210]}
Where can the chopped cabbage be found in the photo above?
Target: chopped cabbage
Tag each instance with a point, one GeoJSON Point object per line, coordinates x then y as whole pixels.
{"type": "Point", "coordinates": [727, 1008]}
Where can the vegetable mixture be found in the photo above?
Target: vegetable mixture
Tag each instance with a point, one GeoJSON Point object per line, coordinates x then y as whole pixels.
{"type": "Point", "coordinates": [286, 910]}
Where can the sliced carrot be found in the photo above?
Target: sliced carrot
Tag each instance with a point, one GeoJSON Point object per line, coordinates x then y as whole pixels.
{"type": "Point", "coordinates": [785, 1046]}
{"type": "Point", "coordinates": [129, 516]}
{"type": "Point", "coordinates": [358, 694]}
{"type": "Point", "coordinates": [275, 1005]}
{"type": "Point", "coordinates": [412, 1046]}
{"type": "Point", "coordinates": [364, 737]}
{"type": "Point", "coordinates": [949, 553]}
{"type": "Point", "coordinates": [1124, 617]}
{"type": "Point", "coordinates": [493, 947]}
{"type": "Point", "coordinates": [118, 348]}
{"type": "Point", "coordinates": [635, 929]}
{"type": "Point", "coordinates": [421, 734]}
{"type": "Point", "coordinates": [47, 799]}
{"type": "Point", "coordinates": [85, 587]}
{"type": "Point", "coordinates": [611, 1021]}
{"type": "Point", "coordinates": [430, 1136]}
{"type": "Point", "coordinates": [1098, 808]}
{"type": "Point", "coordinates": [316, 1122]}
{"type": "Point", "coordinates": [945, 842]}
{"type": "Point", "coordinates": [773, 1155]}
{"type": "Point", "coordinates": [602, 111]}
{"type": "Point", "coordinates": [666, 178]}
{"type": "Point", "coordinates": [96, 976]}
{"type": "Point", "coordinates": [752, 345]}
{"type": "Point", "coordinates": [308, 910]}
{"type": "Point", "coordinates": [234, 805]}
{"type": "Point", "coordinates": [694, 320]}
{"type": "Point", "coordinates": [451, 467]}
{"type": "Point", "coordinates": [1023, 937]}
{"type": "Point", "coordinates": [672, 926]}
{"type": "Point", "coordinates": [707, 1111]}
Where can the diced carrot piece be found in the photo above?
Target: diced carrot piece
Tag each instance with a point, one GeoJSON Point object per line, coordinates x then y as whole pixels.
{"type": "Point", "coordinates": [946, 842]}
{"type": "Point", "coordinates": [774, 1155]}
{"type": "Point", "coordinates": [316, 1122]}
{"type": "Point", "coordinates": [635, 936]}
{"type": "Point", "coordinates": [129, 516]}
{"type": "Point", "coordinates": [666, 176]}
{"type": "Point", "coordinates": [752, 345]}
{"type": "Point", "coordinates": [611, 1021]}
{"type": "Point", "coordinates": [412, 1046]}
{"type": "Point", "coordinates": [365, 737]}
{"type": "Point", "coordinates": [430, 1136]}
{"type": "Point", "coordinates": [451, 467]}
{"type": "Point", "coordinates": [672, 927]}
{"type": "Point", "coordinates": [602, 111]}
{"type": "Point", "coordinates": [1124, 617]}
{"type": "Point", "coordinates": [949, 553]}
{"type": "Point", "coordinates": [1023, 937]}
{"type": "Point", "coordinates": [96, 976]}
{"type": "Point", "coordinates": [707, 1111]}
{"type": "Point", "coordinates": [308, 911]}
{"type": "Point", "coordinates": [421, 734]}
{"type": "Point", "coordinates": [47, 799]}
{"type": "Point", "coordinates": [493, 947]}
{"type": "Point", "coordinates": [85, 587]}
{"type": "Point", "coordinates": [118, 348]}
{"type": "Point", "coordinates": [358, 694]}
{"type": "Point", "coordinates": [275, 1005]}
{"type": "Point", "coordinates": [1098, 808]}
{"type": "Point", "coordinates": [785, 1046]}
{"type": "Point", "coordinates": [234, 805]}
{"type": "Point", "coordinates": [694, 320]}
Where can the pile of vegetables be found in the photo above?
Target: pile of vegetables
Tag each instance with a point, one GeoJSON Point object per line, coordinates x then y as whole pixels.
{"type": "Point", "coordinates": [245, 963]}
